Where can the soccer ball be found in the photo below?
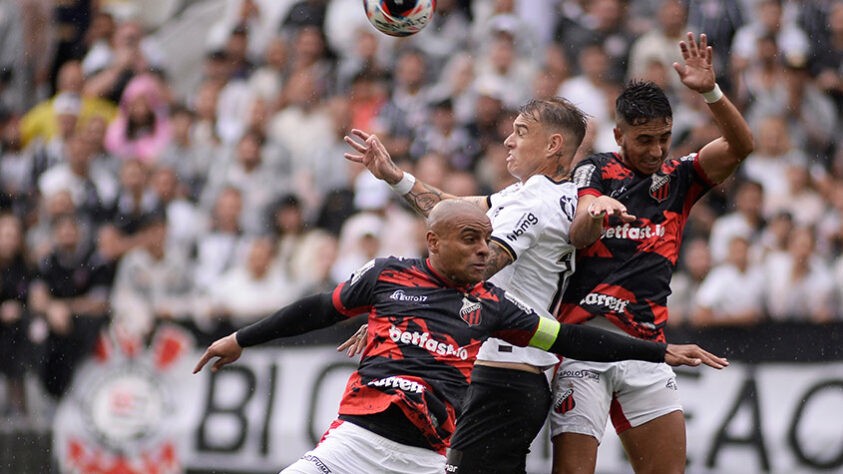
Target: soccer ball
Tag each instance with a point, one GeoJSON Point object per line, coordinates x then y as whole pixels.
{"type": "Point", "coordinates": [399, 17]}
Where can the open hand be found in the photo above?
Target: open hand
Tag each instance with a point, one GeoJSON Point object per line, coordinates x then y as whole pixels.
{"type": "Point", "coordinates": [227, 349]}
{"type": "Point", "coordinates": [698, 72]}
{"type": "Point", "coordinates": [373, 156]}
{"type": "Point", "coordinates": [605, 205]}
{"type": "Point", "coordinates": [693, 355]}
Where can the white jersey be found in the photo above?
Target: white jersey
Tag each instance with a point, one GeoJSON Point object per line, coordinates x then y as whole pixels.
{"type": "Point", "coordinates": [531, 221]}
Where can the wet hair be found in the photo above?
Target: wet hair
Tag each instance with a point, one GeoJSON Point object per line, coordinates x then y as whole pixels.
{"type": "Point", "coordinates": [640, 102]}
{"type": "Point", "coordinates": [558, 113]}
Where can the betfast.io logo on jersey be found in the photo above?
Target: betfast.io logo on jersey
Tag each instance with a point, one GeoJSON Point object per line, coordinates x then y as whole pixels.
{"type": "Point", "coordinates": [424, 341]}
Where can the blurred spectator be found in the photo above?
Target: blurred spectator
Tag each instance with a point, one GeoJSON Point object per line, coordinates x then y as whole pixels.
{"type": "Point", "coordinates": [41, 122]}
{"type": "Point", "coordinates": [718, 303]}
{"type": "Point", "coordinates": [446, 34]}
{"type": "Point", "coordinates": [767, 20]}
{"type": "Point", "coordinates": [363, 59]}
{"type": "Point", "coordinates": [15, 344]}
{"type": "Point", "coordinates": [184, 221]}
{"type": "Point", "coordinates": [289, 229]}
{"type": "Point", "coordinates": [222, 245]}
{"type": "Point", "coordinates": [190, 160]}
{"type": "Point", "coordinates": [253, 177]}
{"type": "Point", "coordinates": [746, 221]}
{"type": "Point", "coordinates": [830, 227]}
{"type": "Point", "coordinates": [142, 127]}
{"type": "Point", "coordinates": [109, 67]}
{"type": "Point", "coordinates": [153, 282]}
{"type": "Point", "coordinates": [92, 189]}
{"type": "Point", "coordinates": [770, 161]}
{"type": "Point", "coordinates": [304, 122]}
{"type": "Point", "coordinates": [660, 44]}
{"type": "Point", "coordinates": [70, 22]}
{"type": "Point", "coordinates": [253, 288]}
{"type": "Point", "coordinates": [798, 284]}
{"type": "Point", "coordinates": [17, 172]}
{"type": "Point", "coordinates": [827, 54]}
{"type": "Point", "coordinates": [306, 13]}
{"type": "Point", "coordinates": [774, 238]}
{"type": "Point", "coordinates": [444, 136]}
{"type": "Point", "coordinates": [74, 305]}
{"type": "Point", "coordinates": [267, 80]}
{"type": "Point", "coordinates": [800, 200]}
{"type": "Point", "coordinates": [719, 20]}
{"type": "Point", "coordinates": [591, 92]}
{"type": "Point", "coordinates": [501, 61]}
{"type": "Point", "coordinates": [406, 110]}
{"type": "Point", "coordinates": [811, 117]}
{"type": "Point", "coordinates": [694, 266]}
{"type": "Point", "coordinates": [311, 55]}
{"type": "Point", "coordinates": [311, 266]}
{"type": "Point", "coordinates": [360, 241]}
{"type": "Point", "coordinates": [487, 112]}
{"type": "Point", "coordinates": [135, 200]}
{"type": "Point", "coordinates": [236, 52]}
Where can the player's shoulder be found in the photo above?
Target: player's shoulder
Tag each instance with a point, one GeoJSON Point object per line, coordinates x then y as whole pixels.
{"type": "Point", "coordinates": [597, 159]}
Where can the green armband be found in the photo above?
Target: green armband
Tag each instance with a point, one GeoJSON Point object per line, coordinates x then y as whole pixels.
{"type": "Point", "coordinates": [545, 334]}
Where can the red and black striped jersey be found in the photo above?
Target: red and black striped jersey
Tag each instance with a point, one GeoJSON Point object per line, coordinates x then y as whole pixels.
{"type": "Point", "coordinates": [625, 275]}
{"type": "Point", "coordinates": [422, 341]}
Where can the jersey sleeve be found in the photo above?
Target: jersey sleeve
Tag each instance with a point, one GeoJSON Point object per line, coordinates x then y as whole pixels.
{"type": "Point", "coordinates": [355, 295]}
{"type": "Point", "coordinates": [518, 226]}
{"type": "Point", "coordinates": [693, 174]}
{"type": "Point", "coordinates": [589, 178]}
{"type": "Point", "coordinates": [520, 325]}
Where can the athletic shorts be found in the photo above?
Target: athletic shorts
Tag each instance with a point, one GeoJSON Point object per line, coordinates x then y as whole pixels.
{"type": "Point", "coordinates": [633, 392]}
{"type": "Point", "coordinates": [349, 449]}
{"type": "Point", "coordinates": [503, 411]}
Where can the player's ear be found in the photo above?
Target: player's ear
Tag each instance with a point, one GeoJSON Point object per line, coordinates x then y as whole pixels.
{"type": "Point", "coordinates": [554, 144]}
{"type": "Point", "coordinates": [432, 242]}
{"type": "Point", "coordinates": [618, 136]}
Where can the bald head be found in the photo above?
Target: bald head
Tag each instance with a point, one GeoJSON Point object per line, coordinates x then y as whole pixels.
{"type": "Point", "coordinates": [457, 240]}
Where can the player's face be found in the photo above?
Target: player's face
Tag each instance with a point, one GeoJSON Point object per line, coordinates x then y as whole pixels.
{"type": "Point", "coordinates": [644, 147]}
{"type": "Point", "coordinates": [461, 250]}
{"type": "Point", "coordinates": [527, 148]}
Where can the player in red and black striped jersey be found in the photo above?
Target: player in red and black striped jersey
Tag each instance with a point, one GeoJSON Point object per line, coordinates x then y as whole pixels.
{"type": "Point", "coordinates": [632, 209]}
{"type": "Point", "coordinates": [427, 320]}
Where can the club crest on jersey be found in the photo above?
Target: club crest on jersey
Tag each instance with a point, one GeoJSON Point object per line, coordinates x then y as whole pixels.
{"type": "Point", "coordinates": [660, 187]}
{"type": "Point", "coordinates": [564, 402]}
{"type": "Point", "coordinates": [470, 312]}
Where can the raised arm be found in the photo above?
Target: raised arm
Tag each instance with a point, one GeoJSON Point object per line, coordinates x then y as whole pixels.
{"type": "Point", "coordinates": [305, 315]}
{"type": "Point", "coordinates": [421, 196]}
{"type": "Point", "coordinates": [721, 157]}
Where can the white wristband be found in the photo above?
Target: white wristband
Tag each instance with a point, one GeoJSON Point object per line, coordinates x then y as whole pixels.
{"type": "Point", "coordinates": [405, 185]}
{"type": "Point", "coordinates": [713, 95]}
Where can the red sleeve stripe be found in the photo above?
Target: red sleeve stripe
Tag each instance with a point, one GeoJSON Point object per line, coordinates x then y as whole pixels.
{"type": "Point", "coordinates": [701, 172]}
{"type": "Point", "coordinates": [347, 312]}
{"type": "Point", "coordinates": [590, 191]}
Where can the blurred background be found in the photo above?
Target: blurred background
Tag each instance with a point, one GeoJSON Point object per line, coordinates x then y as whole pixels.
{"type": "Point", "coordinates": [171, 170]}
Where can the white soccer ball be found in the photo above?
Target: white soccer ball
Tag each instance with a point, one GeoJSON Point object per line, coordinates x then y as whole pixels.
{"type": "Point", "coordinates": [399, 17]}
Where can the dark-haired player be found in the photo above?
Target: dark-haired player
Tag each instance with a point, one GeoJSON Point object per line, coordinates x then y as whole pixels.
{"type": "Point", "coordinates": [623, 272]}
{"type": "Point", "coordinates": [427, 320]}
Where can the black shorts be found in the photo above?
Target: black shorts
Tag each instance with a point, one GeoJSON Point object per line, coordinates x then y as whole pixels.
{"type": "Point", "coordinates": [503, 411]}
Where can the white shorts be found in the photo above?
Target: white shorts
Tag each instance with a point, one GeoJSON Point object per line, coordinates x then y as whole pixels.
{"type": "Point", "coordinates": [349, 449]}
{"type": "Point", "coordinates": [632, 391]}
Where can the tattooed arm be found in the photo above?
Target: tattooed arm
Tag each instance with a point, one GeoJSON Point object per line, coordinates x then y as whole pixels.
{"type": "Point", "coordinates": [499, 257]}
{"type": "Point", "coordinates": [376, 159]}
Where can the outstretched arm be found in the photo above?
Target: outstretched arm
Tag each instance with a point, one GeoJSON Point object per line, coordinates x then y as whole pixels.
{"type": "Point", "coordinates": [307, 314]}
{"type": "Point", "coordinates": [588, 343]}
{"type": "Point", "coordinates": [721, 157]}
{"type": "Point", "coordinates": [374, 156]}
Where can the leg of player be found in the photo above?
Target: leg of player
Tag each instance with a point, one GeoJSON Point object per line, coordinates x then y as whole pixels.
{"type": "Point", "coordinates": [574, 453]}
{"type": "Point", "coordinates": [657, 446]}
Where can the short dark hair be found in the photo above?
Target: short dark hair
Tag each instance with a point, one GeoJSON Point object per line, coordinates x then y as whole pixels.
{"type": "Point", "coordinates": [558, 113]}
{"type": "Point", "coordinates": [640, 102]}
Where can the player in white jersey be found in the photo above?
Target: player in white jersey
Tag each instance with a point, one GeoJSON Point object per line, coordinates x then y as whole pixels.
{"type": "Point", "coordinates": [531, 258]}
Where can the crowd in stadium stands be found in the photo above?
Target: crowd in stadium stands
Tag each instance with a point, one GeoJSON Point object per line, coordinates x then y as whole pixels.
{"type": "Point", "coordinates": [137, 189]}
